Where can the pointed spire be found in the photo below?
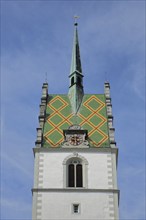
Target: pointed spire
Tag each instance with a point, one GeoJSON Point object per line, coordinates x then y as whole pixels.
{"type": "Point", "coordinates": [76, 91]}
{"type": "Point", "coordinates": [76, 61]}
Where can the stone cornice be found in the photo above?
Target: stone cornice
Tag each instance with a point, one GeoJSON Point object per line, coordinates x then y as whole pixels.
{"type": "Point", "coordinates": [75, 190]}
{"type": "Point", "coordinates": [63, 150]}
{"type": "Point", "coordinates": [78, 150]}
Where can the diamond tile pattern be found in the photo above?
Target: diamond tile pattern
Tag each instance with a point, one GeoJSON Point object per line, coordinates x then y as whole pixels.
{"type": "Point", "coordinates": [91, 116]}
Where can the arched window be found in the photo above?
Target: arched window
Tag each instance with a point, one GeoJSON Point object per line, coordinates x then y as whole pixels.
{"type": "Point", "coordinates": [75, 171]}
{"type": "Point", "coordinates": [72, 81]}
{"type": "Point", "coordinates": [75, 177]}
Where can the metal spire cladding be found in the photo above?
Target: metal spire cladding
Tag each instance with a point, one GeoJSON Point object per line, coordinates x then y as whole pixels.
{"type": "Point", "coordinates": [76, 91]}
{"type": "Point", "coordinates": [76, 61]}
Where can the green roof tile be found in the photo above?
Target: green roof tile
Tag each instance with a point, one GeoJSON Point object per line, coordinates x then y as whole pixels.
{"type": "Point", "coordinates": [91, 116]}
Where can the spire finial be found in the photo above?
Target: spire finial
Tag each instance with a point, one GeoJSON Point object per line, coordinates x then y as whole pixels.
{"type": "Point", "coordinates": [75, 20]}
{"type": "Point", "coordinates": [46, 77]}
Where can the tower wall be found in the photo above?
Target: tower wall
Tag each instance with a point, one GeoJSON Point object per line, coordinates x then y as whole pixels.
{"type": "Point", "coordinates": [54, 205]}
{"type": "Point", "coordinates": [97, 199]}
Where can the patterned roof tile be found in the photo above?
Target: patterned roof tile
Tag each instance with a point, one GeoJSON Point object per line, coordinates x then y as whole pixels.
{"type": "Point", "coordinates": [91, 116]}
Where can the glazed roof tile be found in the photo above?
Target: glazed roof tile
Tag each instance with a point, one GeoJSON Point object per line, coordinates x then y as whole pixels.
{"type": "Point", "coordinates": [91, 116]}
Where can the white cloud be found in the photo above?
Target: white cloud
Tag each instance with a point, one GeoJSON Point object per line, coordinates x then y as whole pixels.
{"type": "Point", "coordinates": [15, 165]}
{"type": "Point", "coordinates": [15, 209]}
{"type": "Point", "coordinates": [15, 204]}
{"type": "Point", "coordinates": [132, 187]}
{"type": "Point", "coordinates": [139, 83]}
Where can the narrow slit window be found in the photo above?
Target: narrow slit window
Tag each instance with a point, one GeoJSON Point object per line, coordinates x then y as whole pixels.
{"type": "Point", "coordinates": [71, 176]}
{"type": "Point", "coordinates": [79, 178]}
{"type": "Point", "coordinates": [79, 81]}
{"type": "Point", "coordinates": [72, 81]}
{"type": "Point", "coordinates": [75, 208]}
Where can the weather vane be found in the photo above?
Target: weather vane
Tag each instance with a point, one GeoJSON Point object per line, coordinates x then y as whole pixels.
{"type": "Point", "coordinates": [75, 18]}
{"type": "Point", "coordinates": [46, 77]}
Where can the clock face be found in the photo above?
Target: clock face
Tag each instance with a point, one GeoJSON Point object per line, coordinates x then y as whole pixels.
{"type": "Point", "coordinates": [75, 139]}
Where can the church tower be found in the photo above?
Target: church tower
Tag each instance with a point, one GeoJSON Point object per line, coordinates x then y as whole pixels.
{"type": "Point", "coordinates": [75, 167]}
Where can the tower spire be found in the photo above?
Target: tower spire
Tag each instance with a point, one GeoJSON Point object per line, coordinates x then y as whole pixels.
{"type": "Point", "coordinates": [76, 91]}
{"type": "Point", "coordinates": [76, 61]}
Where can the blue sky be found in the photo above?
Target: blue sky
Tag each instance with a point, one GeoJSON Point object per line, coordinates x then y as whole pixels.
{"type": "Point", "coordinates": [36, 37]}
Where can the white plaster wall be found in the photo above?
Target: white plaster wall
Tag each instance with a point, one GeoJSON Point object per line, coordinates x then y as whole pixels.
{"type": "Point", "coordinates": [54, 205]}
{"type": "Point", "coordinates": [92, 206]}
{"type": "Point", "coordinates": [97, 169]}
